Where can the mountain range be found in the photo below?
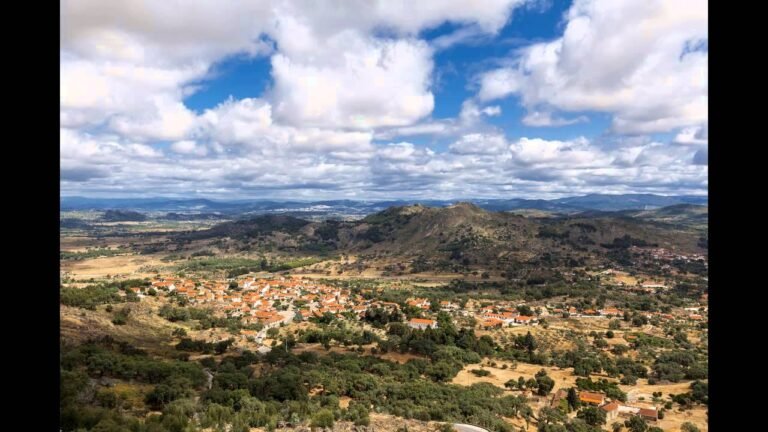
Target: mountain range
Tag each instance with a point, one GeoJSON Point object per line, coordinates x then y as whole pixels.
{"type": "Point", "coordinates": [352, 208]}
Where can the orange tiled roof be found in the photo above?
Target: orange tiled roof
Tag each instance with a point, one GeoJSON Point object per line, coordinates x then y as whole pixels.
{"type": "Point", "coordinates": [591, 397]}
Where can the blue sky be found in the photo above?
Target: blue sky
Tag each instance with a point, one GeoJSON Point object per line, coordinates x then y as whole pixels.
{"type": "Point", "coordinates": [501, 98]}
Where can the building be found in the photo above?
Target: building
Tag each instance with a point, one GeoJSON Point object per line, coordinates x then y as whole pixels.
{"type": "Point", "coordinates": [448, 306]}
{"type": "Point", "coordinates": [648, 414]}
{"type": "Point", "coordinates": [422, 323]}
{"type": "Point", "coordinates": [591, 398]}
{"type": "Point", "coordinates": [492, 323]}
{"type": "Point", "coordinates": [523, 319]}
{"type": "Point", "coordinates": [609, 312]}
{"type": "Point", "coordinates": [611, 411]}
{"type": "Point", "coordinates": [557, 397]}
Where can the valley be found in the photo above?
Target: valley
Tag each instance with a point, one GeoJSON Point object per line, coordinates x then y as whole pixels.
{"type": "Point", "coordinates": [410, 318]}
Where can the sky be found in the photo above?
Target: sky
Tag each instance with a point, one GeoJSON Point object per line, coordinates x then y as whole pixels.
{"type": "Point", "coordinates": [383, 99]}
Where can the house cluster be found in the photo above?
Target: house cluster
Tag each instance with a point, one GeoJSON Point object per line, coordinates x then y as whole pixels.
{"type": "Point", "coordinates": [498, 315]}
{"type": "Point", "coordinates": [259, 300]}
{"type": "Point", "coordinates": [608, 312]}
{"type": "Point", "coordinates": [505, 319]}
{"type": "Point", "coordinates": [612, 409]}
{"type": "Point", "coordinates": [662, 254]}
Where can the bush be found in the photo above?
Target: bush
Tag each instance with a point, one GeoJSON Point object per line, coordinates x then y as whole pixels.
{"type": "Point", "coordinates": [121, 317]}
{"type": "Point", "coordinates": [480, 372]}
{"type": "Point", "coordinates": [689, 427]}
{"type": "Point", "coordinates": [323, 418]}
{"type": "Point", "coordinates": [629, 380]}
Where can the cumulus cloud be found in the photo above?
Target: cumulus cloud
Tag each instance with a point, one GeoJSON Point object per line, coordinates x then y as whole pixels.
{"type": "Point", "coordinates": [248, 123]}
{"type": "Point", "coordinates": [351, 81]}
{"type": "Point", "coordinates": [644, 62]}
{"type": "Point", "coordinates": [355, 82]}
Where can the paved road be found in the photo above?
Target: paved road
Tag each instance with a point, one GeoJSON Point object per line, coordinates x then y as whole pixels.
{"type": "Point", "coordinates": [460, 427]}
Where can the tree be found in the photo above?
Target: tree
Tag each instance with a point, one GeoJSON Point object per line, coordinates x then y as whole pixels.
{"type": "Point", "coordinates": [551, 416]}
{"type": "Point", "coordinates": [593, 416]}
{"type": "Point", "coordinates": [636, 424]}
{"type": "Point", "coordinates": [573, 399]}
{"type": "Point", "coordinates": [616, 427]}
{"type": "Point", "coordinates": [579, 425]}
{"type": "Point", "coordinates": [609, 334]}
{"type": "Point", "coordinates": [322, 419]}
{"type": "Point", "coordinates": [689, 427]}
{"type": "Point", "coordinates": [628, 380]}
{"type": "Point", "coordinates": [545, 385]}
{"type": "Point", "coordinates": [221, 347]}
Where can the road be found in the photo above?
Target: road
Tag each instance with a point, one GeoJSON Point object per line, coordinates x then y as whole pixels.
{"type": "Point", "coordinates": [460, 427]}
{"type": "Point", "coordinates": [287, 319]}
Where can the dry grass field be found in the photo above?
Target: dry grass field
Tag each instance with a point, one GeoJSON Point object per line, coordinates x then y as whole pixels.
{"type": "Point", "coordinates": [124, 265]}
{"type": "Point", "coordinates": [563, 378]}
{"type": "Point", "coordinates": [144, 328]}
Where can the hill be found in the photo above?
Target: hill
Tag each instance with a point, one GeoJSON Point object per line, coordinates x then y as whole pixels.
{"type": "Point", "coordinates": [362, 208]}
{"type": "Point", "coordinates": [463, 234]}
{"type": "Point", "coordinates": [123, 216]}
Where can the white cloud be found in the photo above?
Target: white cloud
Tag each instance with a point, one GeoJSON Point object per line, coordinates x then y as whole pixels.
{"type": "Point", "coordinates": [356, 82]}
{"type": "Point", "coordinates": [397, 152]}
{"type": "Point", "coordinates": [248, 122]}
{"type": "Point", "coordinates": [632, 59]}
{"type": "Point", "coordinates": [475, 165]}
{"type": "Point", "coordinates": [546, 118]}
{"type": "Point", "coordinates": [129, 63]}
{"type": "Point", "coordinates": [697, 135]}
{"type": "Point", "coordinates": [188, 147]}
{"type": "Point", "coordinates": [348, 74]}
{"type": "Point", "coordinates": [469, 120]}
{"type": "Point", "coordinates": [477, 143]}
{"type": "Point", "coordinates": [499, 83]}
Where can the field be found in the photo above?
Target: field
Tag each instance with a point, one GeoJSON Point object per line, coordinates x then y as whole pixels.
{"type": "Point", "coordinates": [564, 378]}
{"type": "Point", "coordinates": [101, 268]}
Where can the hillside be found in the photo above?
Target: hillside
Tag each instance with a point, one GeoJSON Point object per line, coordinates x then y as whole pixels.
{"type": "Point", "coordinates": [123, 216]}
{"type": "Point", "coordinates": [463, 233]}
{"type": "Point", "coordinates": [362, 208]}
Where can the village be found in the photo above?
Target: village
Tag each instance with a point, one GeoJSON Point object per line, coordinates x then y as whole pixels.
{"type": "Point", "coordinates": [277, 301]}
